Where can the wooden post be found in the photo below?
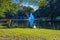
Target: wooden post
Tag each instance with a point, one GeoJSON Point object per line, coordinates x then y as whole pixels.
{"type": "Point", "coordinates": [8, 22]}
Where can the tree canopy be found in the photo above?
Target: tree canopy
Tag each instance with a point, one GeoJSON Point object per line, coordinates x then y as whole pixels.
{"type": "Point", "coordinates": [7, 5]}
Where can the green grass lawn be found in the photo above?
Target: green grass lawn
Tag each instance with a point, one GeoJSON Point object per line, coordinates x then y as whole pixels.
{"type": "Point", "coordinates": [29, 34]}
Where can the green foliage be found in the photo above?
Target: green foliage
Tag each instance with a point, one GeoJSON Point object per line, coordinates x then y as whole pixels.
{"type": "Point", "coordinates": [12, 7]}
{"type": "Point", "coordinates": [35, 2]}
{"type": "Point", "coordinates": [25, 9]}
{"type": "Point", "coordinates": [7, 5]}
{"type": "Point", "coordinates": [42, 3]}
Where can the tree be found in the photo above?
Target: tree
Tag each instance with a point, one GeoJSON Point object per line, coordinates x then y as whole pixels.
{"type": "Point", "coordinates": [25, 10]}
{"type": "Point", "coordinates": [35, 2]}
{"type": "Point", "coordinates": [7, 5]}
{"type": "Point", "coordinates": [42, 3]}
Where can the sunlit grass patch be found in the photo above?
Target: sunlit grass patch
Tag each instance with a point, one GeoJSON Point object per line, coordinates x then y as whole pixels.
{"type": "Point", "coordinates": [29, 34]}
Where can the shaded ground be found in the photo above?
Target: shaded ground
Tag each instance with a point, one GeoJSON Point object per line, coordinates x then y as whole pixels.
{"type": "Point", "coordinates": [29, 34]}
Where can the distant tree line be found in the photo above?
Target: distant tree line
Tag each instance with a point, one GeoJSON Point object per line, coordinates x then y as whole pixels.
{"type": "Point", "coordinates": [47, 9]}
{"type": "Point", "coordinates": [51, 11]}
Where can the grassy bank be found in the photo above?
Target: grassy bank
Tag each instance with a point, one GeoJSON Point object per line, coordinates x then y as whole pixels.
{"type": "Point", "coordinates": [29, 34]}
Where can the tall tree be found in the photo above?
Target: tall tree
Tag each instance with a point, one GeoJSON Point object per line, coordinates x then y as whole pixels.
{"type": "Point", "coordinates": [7, 5]}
